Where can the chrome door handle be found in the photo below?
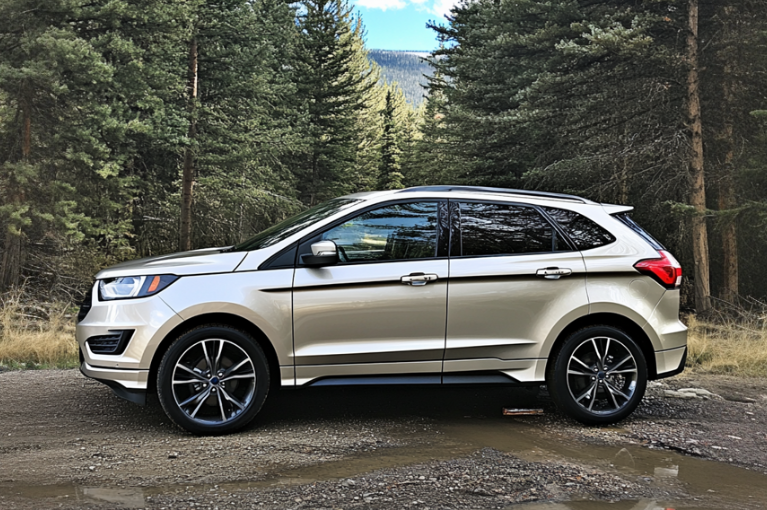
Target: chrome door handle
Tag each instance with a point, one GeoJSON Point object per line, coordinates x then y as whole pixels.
{"type": "Point", "coordinates": [418, 279]}
{"type": "Point", "coordinates": [553, 273]}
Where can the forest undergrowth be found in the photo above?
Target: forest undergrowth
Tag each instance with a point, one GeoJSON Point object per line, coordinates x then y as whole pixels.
{"type": "Point", "coordinates": [731, 345]}
{"type": "Point", "coordinates": [36, 335]}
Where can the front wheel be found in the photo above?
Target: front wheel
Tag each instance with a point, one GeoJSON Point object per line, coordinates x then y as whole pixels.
{"type": "Point", "coordinates": [598, 376]}
{"type": "Point", "coordinates": [213, 380]}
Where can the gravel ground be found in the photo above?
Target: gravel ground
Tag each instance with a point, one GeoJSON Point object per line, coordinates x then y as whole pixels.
{"type": "Point", "coordinates": [66, 441]}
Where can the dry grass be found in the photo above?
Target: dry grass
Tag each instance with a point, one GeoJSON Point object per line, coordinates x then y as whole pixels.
{"type": "Point", "coordinates": [33, 336]}
{"type": "Point", "coordinates": [728, 347]}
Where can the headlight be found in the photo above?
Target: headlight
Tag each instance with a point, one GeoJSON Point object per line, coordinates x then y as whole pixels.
{"type": "Point", "coordinates": [127, 287]}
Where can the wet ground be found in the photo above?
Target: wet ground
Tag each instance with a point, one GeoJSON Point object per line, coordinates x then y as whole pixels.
{"type": "Point", "coordinates": [68, 442]}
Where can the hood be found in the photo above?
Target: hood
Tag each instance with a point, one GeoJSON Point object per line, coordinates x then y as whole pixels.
{"type": "Point", "coordinates": [205, 261]}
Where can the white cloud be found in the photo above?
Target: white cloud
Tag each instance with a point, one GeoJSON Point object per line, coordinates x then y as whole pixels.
{"type": "Point", "coordinates": [382, 4]}
{"type": "Point", "coordinates": [439, 8]}
{"type": "Point", "coordinates": [442, 7]}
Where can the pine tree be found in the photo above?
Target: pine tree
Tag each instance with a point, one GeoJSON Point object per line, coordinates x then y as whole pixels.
{"type": "Point", "coordinates": [426, 156]}
{"type": "Point", "coordinates": [390, 173]}
{"type": "Point", "coordinates": [334, 79]}
{"type": "Point", "coordinates": [571, 96]}
{"type": "Point", "coordinates": [77, 99]}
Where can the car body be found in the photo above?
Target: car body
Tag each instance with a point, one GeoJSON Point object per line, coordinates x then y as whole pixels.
{"type": "Point", "coordinates": [426, 285]}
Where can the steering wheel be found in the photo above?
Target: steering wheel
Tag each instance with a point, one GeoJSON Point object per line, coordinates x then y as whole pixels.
{"type": "Point", "coordinates": [342, 254]}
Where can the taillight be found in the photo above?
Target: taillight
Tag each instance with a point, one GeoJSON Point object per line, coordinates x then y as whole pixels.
{"type": "Point", "coordinates": [665, 270]}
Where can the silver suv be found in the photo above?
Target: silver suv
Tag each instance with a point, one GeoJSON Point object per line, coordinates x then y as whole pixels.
{"type": "Point", "coordinates": [427, 285]}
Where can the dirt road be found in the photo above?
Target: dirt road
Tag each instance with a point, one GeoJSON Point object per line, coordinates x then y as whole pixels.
{"type": "Point", "coordinates": [67, 442]}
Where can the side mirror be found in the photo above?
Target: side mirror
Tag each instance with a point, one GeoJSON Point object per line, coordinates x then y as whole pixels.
{"type": "Point", "coordinates": [324, 253]}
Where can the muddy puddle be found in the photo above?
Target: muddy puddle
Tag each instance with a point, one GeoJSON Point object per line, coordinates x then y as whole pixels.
{"type": "Point", "coordinates": [70, 494]}
{"type": "Point", "coordinates": [603, 505]}
{"type": "Point", "coordinates": [711, 482]}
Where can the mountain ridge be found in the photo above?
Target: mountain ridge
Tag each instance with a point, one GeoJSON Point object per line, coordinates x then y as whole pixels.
{"type": "Point", "coordinates": [407, 68]}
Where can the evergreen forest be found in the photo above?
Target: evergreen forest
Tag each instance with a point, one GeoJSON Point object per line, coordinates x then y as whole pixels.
{"type": "Point", "coordinates": [131, 128]}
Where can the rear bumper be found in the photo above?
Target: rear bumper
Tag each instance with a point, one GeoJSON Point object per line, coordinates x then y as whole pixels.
{"type": "Point", "coordinates": [128, 384]}
{"type": "Point", "coordinates": [671, 362]}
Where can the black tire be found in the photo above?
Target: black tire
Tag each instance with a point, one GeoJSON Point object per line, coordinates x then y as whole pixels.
{"type": "Point", "coordinates": [597, 391]}
{"type": "Point", "coordinates": [200, 401]}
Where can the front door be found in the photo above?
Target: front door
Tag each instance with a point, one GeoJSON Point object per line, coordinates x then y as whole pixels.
{"type": "Point", "coordinates": [382, 308]}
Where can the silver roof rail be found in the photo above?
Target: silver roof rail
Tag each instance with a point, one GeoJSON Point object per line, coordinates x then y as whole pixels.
{"type": "Point", "coordinates": [499, 191]}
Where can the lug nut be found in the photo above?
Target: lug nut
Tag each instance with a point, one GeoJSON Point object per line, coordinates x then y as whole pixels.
{"type": "Point", "coordinates": [213, 390]}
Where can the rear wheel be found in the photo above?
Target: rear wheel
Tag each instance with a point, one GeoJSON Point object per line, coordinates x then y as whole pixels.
{"type": "Point", "coordinates": [598, 376]}
{"type": "Point", "coordinates": [213, 380]}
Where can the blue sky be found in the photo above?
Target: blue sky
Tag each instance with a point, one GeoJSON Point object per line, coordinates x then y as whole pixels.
{"type": "Point", "coordinates": [401, 24]}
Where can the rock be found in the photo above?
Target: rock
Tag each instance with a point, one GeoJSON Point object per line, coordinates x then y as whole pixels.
{"type": "Point", "coordinates": [699, 392]}
{"type": "Point", "coordinates": [679, 394]}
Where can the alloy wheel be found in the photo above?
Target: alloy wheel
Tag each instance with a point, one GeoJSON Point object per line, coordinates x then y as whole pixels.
{"type": "Point", "coordinates": [602, 375]}
{"type": "Point", "coordinates": [213, 381]}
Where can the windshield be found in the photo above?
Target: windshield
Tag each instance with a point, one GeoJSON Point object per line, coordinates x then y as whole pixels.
{"type": "Point", "coordinates": [285, 229]}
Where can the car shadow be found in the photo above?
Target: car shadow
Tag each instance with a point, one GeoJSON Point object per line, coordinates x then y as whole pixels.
{"type": "Point", "coordinates": [438, 402]}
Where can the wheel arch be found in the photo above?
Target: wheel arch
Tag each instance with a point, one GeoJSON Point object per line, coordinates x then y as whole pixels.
{"type": "Point", "coordinates": [226, 319]}
{"type": "Point", "coordinates": [610, 319]}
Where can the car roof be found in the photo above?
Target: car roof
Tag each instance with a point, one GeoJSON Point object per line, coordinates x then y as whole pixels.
{"type": "Point", "coordinates": [482, 190]}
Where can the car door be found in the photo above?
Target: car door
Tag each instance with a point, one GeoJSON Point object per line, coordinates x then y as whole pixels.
{"type": "Point", "coordinates": [513, 277]}
{"type": "Point", "coordinates": [381, 309]}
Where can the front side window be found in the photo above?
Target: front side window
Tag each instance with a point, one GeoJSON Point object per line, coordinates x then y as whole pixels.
{"type": "Point", "coordinates": [394, 232]}
{"type": "Point", "coordinates": [500, 229]}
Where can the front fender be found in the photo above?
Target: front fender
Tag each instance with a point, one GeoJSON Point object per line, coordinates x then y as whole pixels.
{"type": "Point", "coordinates": [260, 297]}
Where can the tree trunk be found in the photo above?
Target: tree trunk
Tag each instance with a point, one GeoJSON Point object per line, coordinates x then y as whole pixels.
{"type": "Point", "coordinates": [10, 268]}
{"type": "Point", "coordinates": [727, 177]}
{"type": "Point", "coordinates": [697, 176]}
{"type": "Point", "coordinates": [727, 199]}
{"type": "Point", "coordinates": [188, 178]}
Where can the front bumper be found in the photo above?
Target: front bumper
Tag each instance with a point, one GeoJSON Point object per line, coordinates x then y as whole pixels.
{"type": "Point", "coordinates": [150, 318]}
{"type": "Point", "coordinates": [128, 384]}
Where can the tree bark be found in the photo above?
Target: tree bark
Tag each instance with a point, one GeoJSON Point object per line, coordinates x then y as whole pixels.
{"type": "Point", "coordinates": [10, 267]}
{"type": "Point", "coordinates": [697, 175]}
{"type": "Point", "coordinates": [727, 178]}
{"type": "Point", "coordinates": [727, 199]}
{"type": "Point", "coordinates": [188, 178]}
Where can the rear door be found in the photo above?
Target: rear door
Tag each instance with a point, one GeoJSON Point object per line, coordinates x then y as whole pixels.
{"type": "Point", "coordinates": [382, 308]}
{"type": "Point", "coordinates": [513, 277]}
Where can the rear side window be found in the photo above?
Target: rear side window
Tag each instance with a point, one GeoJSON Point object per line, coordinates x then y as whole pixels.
{"type": "Point", "coordinates": [584, 233]}
{"type": "Point", "coordinates": [630, 223]}
{"type": "Point", "coordinates": [500, 229]}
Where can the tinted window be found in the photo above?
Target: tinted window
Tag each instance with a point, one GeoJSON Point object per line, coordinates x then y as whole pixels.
{"type": "Point", "coordinates": [285, 229]}
{"type": "Point", "coordinates": [584, 233]}
{"type": "Point", "coordinates": [630, 223]}
{"type": "Point", "coordinates": [394, 232]}
{"type": "Point", "coordinates": [498, 229]}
